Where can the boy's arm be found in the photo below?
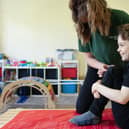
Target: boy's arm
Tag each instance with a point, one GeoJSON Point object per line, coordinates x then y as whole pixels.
{"type": "Point", "coordinates": [119, 96]}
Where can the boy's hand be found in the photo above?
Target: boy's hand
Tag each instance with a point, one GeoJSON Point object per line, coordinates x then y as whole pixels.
{"type": "Point", "coordinates": [96, 95]}
{"type": "Point", "coordinates": [94, 89]}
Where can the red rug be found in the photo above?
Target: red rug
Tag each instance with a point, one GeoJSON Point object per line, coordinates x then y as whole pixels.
{"type": "Point", "coordinates": [55, 119]}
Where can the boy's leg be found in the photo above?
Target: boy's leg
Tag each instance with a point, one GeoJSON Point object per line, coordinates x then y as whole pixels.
{"type": "Point", "coordinates": [120, 111]}
{"type": "Point", "coordinates": [98, 105]}
{"type": "Point", "coordinates": [85, 97]}
{"type": "Point", "coordinates": [111, 78]}
{"type": "Point", "coordinates": [121, 116]}
{"type": "Point", "coordinates": [93, 116]}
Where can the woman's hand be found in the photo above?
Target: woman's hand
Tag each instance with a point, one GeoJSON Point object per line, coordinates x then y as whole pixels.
{"type": "Point", "coordinates": [103, 69]}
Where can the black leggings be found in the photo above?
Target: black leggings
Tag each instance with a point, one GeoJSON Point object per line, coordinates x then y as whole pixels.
{"type": "Point", "coordinates": [113, 78]}
{"type": "Point", "coordinates": [85, 97]}
{"type": "Point", "coordinates": [86, 100]}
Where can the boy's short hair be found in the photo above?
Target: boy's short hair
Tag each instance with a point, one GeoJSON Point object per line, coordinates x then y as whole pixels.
{"type": "Point", "coordinates": [123, 30]}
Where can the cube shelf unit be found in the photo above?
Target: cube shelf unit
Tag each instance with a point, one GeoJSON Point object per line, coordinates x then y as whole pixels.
{"type": "Point", "coordinates": [51, 74]}
{"type": "Point", "coordinates": [63, 76]}
{"type": "Point", "coordinates": [69, 77]}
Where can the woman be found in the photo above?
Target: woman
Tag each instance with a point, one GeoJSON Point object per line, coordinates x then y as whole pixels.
{"type": "Point", "coordinates": [96, 26]}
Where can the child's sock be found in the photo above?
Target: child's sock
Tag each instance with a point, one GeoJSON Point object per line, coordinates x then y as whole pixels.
{"type": "Point", "coordinates": [87, 118]}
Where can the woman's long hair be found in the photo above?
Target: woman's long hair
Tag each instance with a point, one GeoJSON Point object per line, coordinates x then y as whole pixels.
{"type": "Point", "coordinates": [96, 12]}
{"type": "Point", "coordinates": [99, 16]}
{"type": "Point", "coordinates": [79, 10]}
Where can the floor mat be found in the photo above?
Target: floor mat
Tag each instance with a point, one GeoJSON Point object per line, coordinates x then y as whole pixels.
{"type": "Point", "coordinates": [55, 119]}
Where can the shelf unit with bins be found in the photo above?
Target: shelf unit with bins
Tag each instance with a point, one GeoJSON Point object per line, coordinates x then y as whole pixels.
{"type": "Point", "coordinates": [66, 73]}
{"type": "Point", "coordinates": [69, 77]}
{"type": "Point", "coordinates": [51, 74]}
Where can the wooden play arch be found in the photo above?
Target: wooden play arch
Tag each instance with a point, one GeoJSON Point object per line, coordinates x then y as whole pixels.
{"type": "Point", "coordinates": [11, 87]}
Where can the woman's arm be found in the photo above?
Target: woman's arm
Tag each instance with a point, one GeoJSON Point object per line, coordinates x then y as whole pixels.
{"type": "Point", "coordinates": [91, 61]}
{"type": "Point", "coordinates": [119, 96]}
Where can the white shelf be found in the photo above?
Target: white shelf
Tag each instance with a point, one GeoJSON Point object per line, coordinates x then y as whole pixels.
{"type": "Point", "coordinates": [69, 94]}
{"type": "Point", "coordinates": [45, 72]}
{"type": "Point", "coordinates": [68, 61]}
{"type": "Point", "coordinates": [28, 67]}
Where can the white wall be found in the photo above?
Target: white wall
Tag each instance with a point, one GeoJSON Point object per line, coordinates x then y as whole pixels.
{"type": "Point", "coordinates": [0, 27]}
{"type": "Point", "coordinates": [34, 29]}
{"type": "Point", "coordinates": [119, 4]}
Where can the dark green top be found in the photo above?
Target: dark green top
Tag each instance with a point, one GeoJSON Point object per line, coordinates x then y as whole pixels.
{"type": "Point", "coordinates": [104, 48]}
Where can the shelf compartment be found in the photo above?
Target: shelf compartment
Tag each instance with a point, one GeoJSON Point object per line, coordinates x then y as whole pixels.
{"type": "Point", "coordinates": [69, 86]}
{"type": "Point", "coordinates": [24, 72]}
{"type": "Point", "coordinates": [10, 74]}
{"type": "Point", "coordinates": [37, 72]}
{"type": "Point", "coordinates": [69, 72]}
{"type": "Point", "coordinates": [51, 74]}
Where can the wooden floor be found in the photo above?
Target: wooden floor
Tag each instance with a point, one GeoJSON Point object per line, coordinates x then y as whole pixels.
{"type": "Point", "coordinates": [7, 116]}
